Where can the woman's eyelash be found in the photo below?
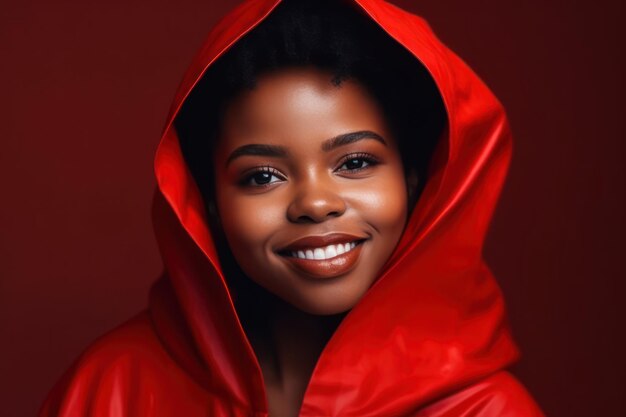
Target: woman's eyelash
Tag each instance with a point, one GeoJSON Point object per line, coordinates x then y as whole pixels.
{"type": "Point", "coordinates": [262, 175]}
{"type": "Point", "coordinates": [356, 159]}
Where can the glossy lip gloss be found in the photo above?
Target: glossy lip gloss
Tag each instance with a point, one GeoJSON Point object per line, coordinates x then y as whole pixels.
{"type": "Point", "coordinates": [342, 258]}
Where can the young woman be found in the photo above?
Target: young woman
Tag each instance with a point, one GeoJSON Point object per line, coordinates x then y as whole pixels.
{"type": "Point", "coordinates": [326, 177]}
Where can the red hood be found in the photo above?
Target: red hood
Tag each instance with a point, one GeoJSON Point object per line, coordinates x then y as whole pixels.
{"type": "Point", "coordinates": [434, 321]}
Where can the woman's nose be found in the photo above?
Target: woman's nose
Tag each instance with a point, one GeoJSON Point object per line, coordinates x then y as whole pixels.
{"type": "Point", "coordinates": [315, 203]}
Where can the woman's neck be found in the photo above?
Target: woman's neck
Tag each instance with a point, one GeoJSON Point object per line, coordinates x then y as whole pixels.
{"type": "Point", "coordinates": [290, 346]}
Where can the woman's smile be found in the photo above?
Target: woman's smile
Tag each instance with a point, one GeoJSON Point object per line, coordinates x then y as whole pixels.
{"type": "Point", "coordinates": [326, 256]}
{"type": "Point", "coordinates": [310, 188]}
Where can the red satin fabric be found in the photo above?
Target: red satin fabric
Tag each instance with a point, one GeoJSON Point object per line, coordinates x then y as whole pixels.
{"type": "Point", "coordinates": [429, 338]}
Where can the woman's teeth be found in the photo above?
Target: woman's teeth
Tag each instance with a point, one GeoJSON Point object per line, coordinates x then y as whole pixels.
{"type": "Point", "coordinates": [326, 252]}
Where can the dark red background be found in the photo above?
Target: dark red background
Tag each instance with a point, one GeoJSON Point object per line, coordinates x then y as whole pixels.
{"type": "Point", "coordinates": [85, 89]}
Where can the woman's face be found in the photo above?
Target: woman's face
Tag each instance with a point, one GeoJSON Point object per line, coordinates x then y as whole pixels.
{"type": "Point", "coordinates": [310, 188]}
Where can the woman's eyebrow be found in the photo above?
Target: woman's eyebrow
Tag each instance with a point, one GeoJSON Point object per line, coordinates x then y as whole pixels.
{"type": "Point", "coordinates": [278, 151]}
{"type": "Point", "coordinates": [258, 149]}
{"type": "Point", "coordinates": [351, 137]}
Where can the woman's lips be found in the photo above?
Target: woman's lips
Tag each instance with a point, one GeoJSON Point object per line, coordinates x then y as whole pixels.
{"type": "Point", "coordinates": [325, 262]}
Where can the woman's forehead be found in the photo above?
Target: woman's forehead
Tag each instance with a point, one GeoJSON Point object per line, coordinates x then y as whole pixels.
{"type": "Point", "coordinates": [297, 106]}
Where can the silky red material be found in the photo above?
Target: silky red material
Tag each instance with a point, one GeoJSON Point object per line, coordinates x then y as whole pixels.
{"type": "Point", "coordinates": [429, 338]}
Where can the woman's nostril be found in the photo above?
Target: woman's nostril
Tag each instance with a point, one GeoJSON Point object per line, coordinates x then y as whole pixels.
{"type": "Point", "coordinates": [305, 219]}
{"type": "Point", "coordinates": [308, 218]}
{"type": "Point", "coordinates": [303, 210]}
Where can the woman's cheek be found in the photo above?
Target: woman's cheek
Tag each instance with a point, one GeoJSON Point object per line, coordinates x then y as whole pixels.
{"type": "Point", "coordinates": [249, 221]}
{"type": "Point", "coordinates": [382, 203]}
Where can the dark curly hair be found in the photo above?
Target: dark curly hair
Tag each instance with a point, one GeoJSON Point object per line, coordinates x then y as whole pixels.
{"type": "Point", "coordinates": [331, 35]}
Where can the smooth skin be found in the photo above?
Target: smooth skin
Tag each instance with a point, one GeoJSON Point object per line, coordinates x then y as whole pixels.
{"type": "Point", "coordinates": [297, 184]}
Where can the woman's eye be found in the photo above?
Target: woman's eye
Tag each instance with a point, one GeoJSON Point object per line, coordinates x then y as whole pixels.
{"type": "Point", "coordinates": [357, 162]}
{"type": "Point", "coordinates": [261, 178]}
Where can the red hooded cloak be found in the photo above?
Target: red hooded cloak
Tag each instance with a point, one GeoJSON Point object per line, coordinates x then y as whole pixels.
{"type": "Point", "coordinates": [429, 338]}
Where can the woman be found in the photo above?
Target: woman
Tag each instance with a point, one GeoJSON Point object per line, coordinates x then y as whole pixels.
{"type": "Point", "coordinates": [326, 177]}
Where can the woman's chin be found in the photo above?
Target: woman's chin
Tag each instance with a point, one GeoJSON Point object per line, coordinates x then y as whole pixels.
{"type": "Point", "coordinates": [327, 306]}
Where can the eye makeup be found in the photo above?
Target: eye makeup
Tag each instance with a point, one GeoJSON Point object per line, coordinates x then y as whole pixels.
{"type": "Point", "coordinates": [262, 175]}
{"type": "Point", "coordinates": [353, 159]}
